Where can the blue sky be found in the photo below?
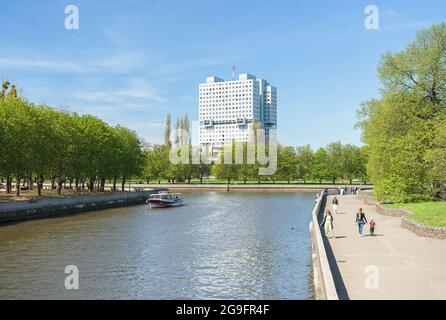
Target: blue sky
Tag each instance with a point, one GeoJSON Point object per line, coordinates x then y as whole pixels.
{"type": "Point", "coordinates": [133, 61]}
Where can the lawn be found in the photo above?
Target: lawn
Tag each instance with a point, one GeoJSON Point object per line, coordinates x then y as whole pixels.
{"type": "Point", "coordinates": [427, 213]}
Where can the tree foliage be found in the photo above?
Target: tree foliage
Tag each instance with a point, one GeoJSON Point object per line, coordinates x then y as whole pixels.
{"type": "Point", "coordinates": [40, 143]}
{"type": "Point", "coordinates": [402, 129]}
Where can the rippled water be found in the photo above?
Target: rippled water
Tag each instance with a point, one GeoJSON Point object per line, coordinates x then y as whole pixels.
{"type": "Point", "coordinates": [218, 246]}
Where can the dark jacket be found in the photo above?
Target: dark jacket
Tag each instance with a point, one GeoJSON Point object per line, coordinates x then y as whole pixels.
{"type": "Point", "coordinates": [360, 218]}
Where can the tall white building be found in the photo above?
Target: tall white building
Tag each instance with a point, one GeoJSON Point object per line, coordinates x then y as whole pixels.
{"type": "Point", "coordinates": [228, 109]}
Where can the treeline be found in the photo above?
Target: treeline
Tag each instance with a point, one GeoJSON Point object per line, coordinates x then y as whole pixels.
{"type": "Point", "coordinates": [332, 163]}
{"type": "Point", "coordinates": [405, 130]}
{"type": "Point", "coordinates": [39, 143]}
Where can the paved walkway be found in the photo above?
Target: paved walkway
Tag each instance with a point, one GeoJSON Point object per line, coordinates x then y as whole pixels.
{"type": "Point", "coordinates": [409, 267]}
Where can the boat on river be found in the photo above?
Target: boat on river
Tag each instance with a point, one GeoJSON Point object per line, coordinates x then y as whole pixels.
{"type": "Point", "coordinates": [165, 199]}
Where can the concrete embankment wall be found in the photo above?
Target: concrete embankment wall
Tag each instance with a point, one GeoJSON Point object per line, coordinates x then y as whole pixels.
{"type": "Point", "coordinates": [406, 222]}
{"type": "Point", "coordinates": [49, 207]}
{"type": "Point", "coordinates": [324, 284]}
{"type": "Point", "coordinates": [244, 187]}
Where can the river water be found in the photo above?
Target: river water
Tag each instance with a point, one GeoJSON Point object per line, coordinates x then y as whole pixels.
{"type": "Point", "coordinates": [219, 246]}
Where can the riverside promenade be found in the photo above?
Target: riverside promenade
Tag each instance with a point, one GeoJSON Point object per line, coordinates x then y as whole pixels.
{"type": "Point", "coordinates": [396, 264]}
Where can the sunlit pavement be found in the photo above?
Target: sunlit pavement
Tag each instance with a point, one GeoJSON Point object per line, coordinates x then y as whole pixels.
{"type": "Point", "coordinates": [395, 264]}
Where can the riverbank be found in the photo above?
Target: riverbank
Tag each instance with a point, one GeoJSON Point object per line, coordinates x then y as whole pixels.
{"type": "Point", "coordinates": [26, 195]}
{"type": "Point", "coordinates": [245, 187]}
{"type": "Point", "coordinates": [396, 264]}
{"type": "Point", "coordinates": [15, 211]}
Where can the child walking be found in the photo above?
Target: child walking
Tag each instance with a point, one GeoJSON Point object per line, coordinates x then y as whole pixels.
{"type": "Point", "coordinates": [372, 224]}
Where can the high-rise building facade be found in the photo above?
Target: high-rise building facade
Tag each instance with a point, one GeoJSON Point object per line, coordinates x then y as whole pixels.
{"type": "Point", "coordinates": [228, 109]}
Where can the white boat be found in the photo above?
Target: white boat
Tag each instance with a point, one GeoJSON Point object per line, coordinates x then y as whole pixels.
{"type": "Point", "coordinates": [165, 199]}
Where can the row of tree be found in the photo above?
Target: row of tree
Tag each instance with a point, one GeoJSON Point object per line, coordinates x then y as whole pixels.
{"type": "Point", "coordinates": [405, 130]}
{"type": "Point", "coordinates": [41, 143]}
{"type": "Point", "coordinates": [332, 163]}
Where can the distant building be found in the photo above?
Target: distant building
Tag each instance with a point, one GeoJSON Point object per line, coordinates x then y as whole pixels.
{"type": "Point", "coordinates": [228, 109]}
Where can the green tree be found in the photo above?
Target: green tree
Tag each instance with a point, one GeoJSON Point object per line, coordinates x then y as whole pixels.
{"type": "Point", "coordinates": [287, 163]}
{"type": "Point", "coordinates": [157, 163]}
{"type": "Point", "coordinates": [305, 162]}
{"type": "Point", "coordinates": [335, 161]}
{"type": "Point", "coordinates": [321, 165]}
{"type": "Point", "coordinates": [399, 128]}
{"type": "Point", "coordinates": [436, 160]}
{"type": "Point", "coordinates": [227, 171]}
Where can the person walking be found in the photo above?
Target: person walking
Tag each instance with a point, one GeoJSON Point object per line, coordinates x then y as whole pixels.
{"type": "Point", "coordinates": [372, 225]}
{"type": "Point", "coordinates": [335, 205]}
{"type": "Point", "coordinates": [327, 223]}
{"type": "Point", "coordinates": [361, 220]}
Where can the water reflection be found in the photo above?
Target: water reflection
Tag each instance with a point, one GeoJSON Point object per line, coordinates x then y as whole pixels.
{"type": "Point", "coordinates": [219, 246]}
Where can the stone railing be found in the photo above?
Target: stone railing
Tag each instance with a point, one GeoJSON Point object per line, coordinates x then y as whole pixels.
{"type": "Point", "coordinates": [422, 230]}
{"type": "Point", "coordinates": [325, 288]}
{"type": "Point", "coordinates": [406, 222]}
{"type": "Point", "coordinates": [390, 212]}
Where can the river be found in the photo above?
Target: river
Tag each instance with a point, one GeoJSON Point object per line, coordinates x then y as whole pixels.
{"type": "Point", "coordinates": [247, 245]}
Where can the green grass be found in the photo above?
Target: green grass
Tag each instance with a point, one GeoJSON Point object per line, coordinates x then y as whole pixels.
{"type": "Point", "coordinates": [428, 213]}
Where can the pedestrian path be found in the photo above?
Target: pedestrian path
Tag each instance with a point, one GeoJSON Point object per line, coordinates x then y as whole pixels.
{"type": "Point", "coordinates": [395, 264]}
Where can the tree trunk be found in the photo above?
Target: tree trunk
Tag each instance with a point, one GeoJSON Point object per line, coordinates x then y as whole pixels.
{"type": "Point", "coordinates": [102, 184]}
{"type": "Point", "coordinates": [227, 187]}
{"type": "Point", "coordinates": [123, 184]}
{"type": "Point", "coordinates": [91, 184]}
{"type": "Point", "coordinates": [59, 186]}
{"type": "Point", "coordinates": [114, 183]}
{"type": "Point", "coordinates": [39, 185]}
{"type": "Point", "coordinates": [30, 182]}
{"type": "Point", "coordinates": [8, 184]}
{"type": "Point", "coordinates": [17, 186]}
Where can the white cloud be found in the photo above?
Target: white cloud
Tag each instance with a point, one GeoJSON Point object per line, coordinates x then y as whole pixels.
{"type": "Point", "coordinates": [54, 65]}
{"type": "Point", "coordinates": [134, 95]}
{"type": "Point", "coordinates": [113, 63]}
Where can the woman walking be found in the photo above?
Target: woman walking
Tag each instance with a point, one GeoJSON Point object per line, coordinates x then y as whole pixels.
{"type": "Point", "coordinates": [361, 220]}
{"type": "Point", "coordinates": [328, 224]}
